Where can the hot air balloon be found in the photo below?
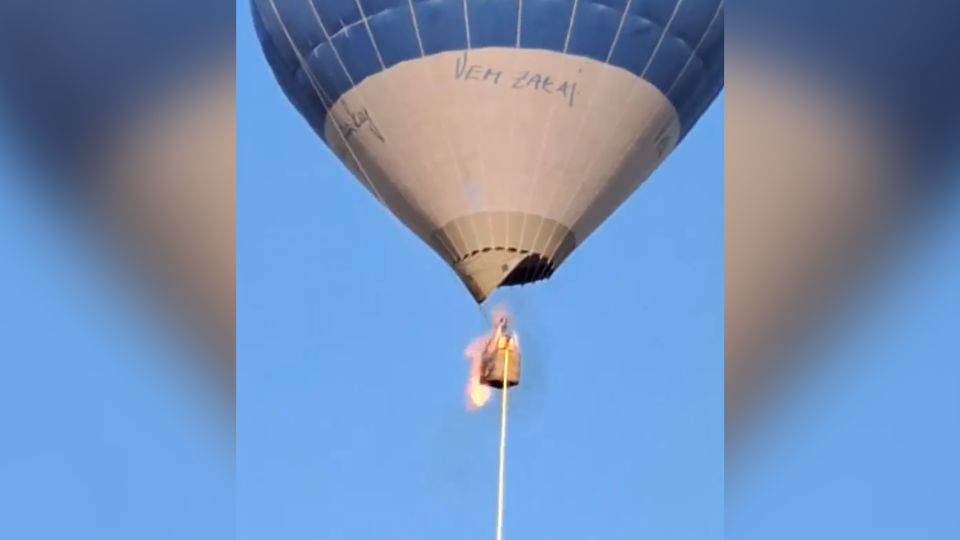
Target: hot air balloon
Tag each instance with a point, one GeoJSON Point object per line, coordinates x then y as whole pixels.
{"type": "Point", "coordinates": [501, 132]}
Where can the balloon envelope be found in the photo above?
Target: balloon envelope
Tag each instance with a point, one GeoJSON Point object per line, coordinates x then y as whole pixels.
{"type": "Point", "coordinates": [502, 132]}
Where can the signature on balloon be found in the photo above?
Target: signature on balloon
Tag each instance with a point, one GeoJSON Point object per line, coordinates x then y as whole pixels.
{"type": "Point", "coordinates": [357, 120]}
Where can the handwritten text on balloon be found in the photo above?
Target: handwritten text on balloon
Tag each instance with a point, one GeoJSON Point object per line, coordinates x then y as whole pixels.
{"type": "Point", "coordinates": [519, 79]}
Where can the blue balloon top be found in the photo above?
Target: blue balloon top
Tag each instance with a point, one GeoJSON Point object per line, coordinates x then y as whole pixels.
{"type": "Point", "coordinates": [902, 57]}
{"type": "Point", "coordinates": [69, 70]}
{"type": "Point", "coordinates": [677, 45]}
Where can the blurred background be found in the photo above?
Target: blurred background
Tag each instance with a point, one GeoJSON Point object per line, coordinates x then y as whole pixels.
{"type": "Point", "coordinates": [842, 270]}
{"type": "Point", "coordinates": [116, 269]}
{"type": "Point", "coordinates": [117, 339]}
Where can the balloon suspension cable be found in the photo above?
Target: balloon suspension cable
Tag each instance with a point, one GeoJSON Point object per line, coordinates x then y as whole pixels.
{"type": "Point", "coordinates": [503, 443]}
{"type": "Point", "coordinates": [483, 314]}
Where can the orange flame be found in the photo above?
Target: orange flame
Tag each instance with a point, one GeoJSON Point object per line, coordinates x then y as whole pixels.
{"type": "Point", "coordinates": [477, 393]}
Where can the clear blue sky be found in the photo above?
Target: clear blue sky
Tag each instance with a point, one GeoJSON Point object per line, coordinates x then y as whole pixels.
{"type": "Point", "coordinates": [351, 372]}
{"type": "Point", "coordinates": [103, 432]}
{"type": "Point", "coordinates": [867, 446]}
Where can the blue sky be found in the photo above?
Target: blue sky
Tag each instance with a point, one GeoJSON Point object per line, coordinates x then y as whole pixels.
{"type": "Point", "coordinates": [351, 369]}
{"type": "Point", "coordinates": [867, 445]}
{"type": "Point", "coordinates": [104, 433]}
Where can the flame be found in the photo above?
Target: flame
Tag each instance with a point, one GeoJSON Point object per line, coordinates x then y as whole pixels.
{"type": "Point", "coordinates": [477, 393]}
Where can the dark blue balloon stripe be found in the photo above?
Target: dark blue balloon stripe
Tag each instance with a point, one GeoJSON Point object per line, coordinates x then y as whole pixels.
{"type": "Point", "coordinates": [72, 71]}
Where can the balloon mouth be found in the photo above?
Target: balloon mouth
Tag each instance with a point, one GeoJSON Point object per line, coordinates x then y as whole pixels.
{"type": "Point", "coordinates": [493, 249]}
{"type": "Point", "coordinates": [498, 267]}
{"type": "Point", "coordinates": [534, 267]}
